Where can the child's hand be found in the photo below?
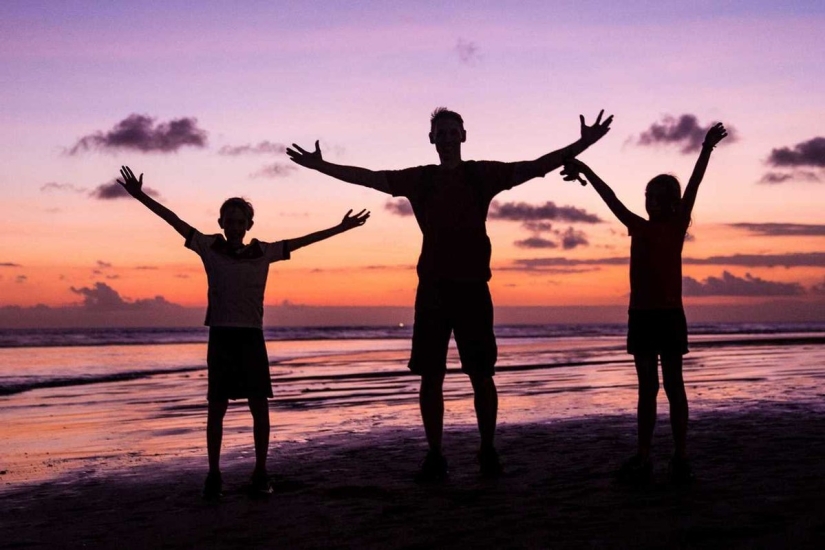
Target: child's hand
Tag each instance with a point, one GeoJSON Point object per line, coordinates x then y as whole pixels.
{"type": "Point", "coordinates": [130, 182]}
{"type": "Point", "coordinates": [357, 220]}
{"type": "Point", "coordinates": [716, 134]}
{"type": "Point", "coordinates": [592, 134]}
{"type": "Point", "coordinates": [305, 158]}
{"type": "Point", "coordinates": [573, 169]}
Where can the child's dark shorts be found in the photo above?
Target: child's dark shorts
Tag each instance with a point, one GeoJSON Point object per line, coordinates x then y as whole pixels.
{"type": "Point", "coordinates": [238, 364]}
{"type": "Point", "coordinates": [466, 310]}
{"type": "Point", "coordinates": [657, 331]}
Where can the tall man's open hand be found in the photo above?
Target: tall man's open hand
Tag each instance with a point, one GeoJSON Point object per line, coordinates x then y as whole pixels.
{"type": "Point", "coordinates": [130, 183]}
{"type": "Point", "coordinates": [592, 134]}
{"type": "Point", "coordinates": [305, 158]}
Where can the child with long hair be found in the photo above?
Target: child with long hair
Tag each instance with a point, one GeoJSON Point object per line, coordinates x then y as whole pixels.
{"type": "Point", "coordinates": [657, 328]}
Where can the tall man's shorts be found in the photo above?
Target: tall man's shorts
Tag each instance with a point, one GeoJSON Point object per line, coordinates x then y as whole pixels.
{"type": "Point", "coordinates": [462, 308]}
{"type": "Point", "coordinates": [657, 332]}
{"type": "Point", "coordinates": [237, 363]}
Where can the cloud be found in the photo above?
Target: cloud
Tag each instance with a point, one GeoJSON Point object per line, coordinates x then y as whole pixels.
{"type": "Point", "coordinates": [113, 190]}
{"type": "Point", "coordinates": [9, 264]}
{"type": "Point", "coordinates": [773, 178]}
{"type": "Point", "coordinates": [103, 265]}
{"type": "Point", "coordinates": [818, 288]}
{"type": "Point", "coordinates": [684, 130]}
{"type": "Point", "coordinates": [399, 207]}
{"type": "Point", "coordinates": [782, 229]}
{"type": "Point", "coordinates": [276, 170]}
{"type": "Point", "coordinates": [807, 153]}
{"type": "Point", "coordinates": [53, 186]}
{"type": "Point", "coordinates": [523, 212]}
{"type": "Point", "coordinates": [140, 133]}
{"type": "Point", "coordinates": [468, 52]}
{"type": "Point", "coordinates": [147, 267]}
{"type": "Point", "coordinates": [21, 279]}
{"type": "Point", "coordinates": [535, 242]}
{"type": "Point", "coordinates": [731, 285]}
{"type": "Point", "coordinates": [537, 226]}
{"type": "Point", "coordinates": [793, 259]}
{"type": "Point", "coordinates": [572, 238]}
{"type": "Point", "coordinates": [261, 148]}
{"type": "Point", "coordinates": [102, 297]}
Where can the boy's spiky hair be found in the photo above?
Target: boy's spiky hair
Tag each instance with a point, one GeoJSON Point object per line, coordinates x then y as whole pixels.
{"type": "Point", "coordinates": [241, 204]}
{"type": "Point", "coordinates": [442, 113]}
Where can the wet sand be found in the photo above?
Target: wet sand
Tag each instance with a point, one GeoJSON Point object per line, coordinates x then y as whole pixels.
{"type": "Point", "coordinates": [760, 484]}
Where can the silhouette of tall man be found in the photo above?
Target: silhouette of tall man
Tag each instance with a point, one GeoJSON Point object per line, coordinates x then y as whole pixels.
{"type": "Point", "coordinates": [450, 202]}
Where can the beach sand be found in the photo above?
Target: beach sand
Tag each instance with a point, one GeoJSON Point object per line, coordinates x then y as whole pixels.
{"type": "Point", "coordinates": [760, 484]}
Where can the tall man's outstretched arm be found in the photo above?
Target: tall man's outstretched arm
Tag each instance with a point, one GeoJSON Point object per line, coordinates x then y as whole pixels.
{"type": "Point", "coordinates": [716, 134]}
{"type": "Point", "coordinates": [349, 222]}
{"type": "Point", "coordinates": [527, 170]}
{"type": "Point", "coordinates": [134, 186]}
{"type": "Point", "coordinates": [349, 174]}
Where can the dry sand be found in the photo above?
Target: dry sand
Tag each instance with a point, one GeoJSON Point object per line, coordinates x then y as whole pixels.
{"type": "Point", "coordinates": [761, 484]}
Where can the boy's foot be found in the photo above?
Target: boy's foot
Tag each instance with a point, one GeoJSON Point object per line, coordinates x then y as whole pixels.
{"type": "Point", "coordinates": [636, 470]}
{"type": "Point", "coordinates": [260, 484]}
{"type": "Point", "coordinates": [213, 486]}
{"type": "Point", "coordinates": [679, 471]}
{"type": "Point", "coordinates": [489, 462]}
{"type": "Point", "coordinates": [433, 469]}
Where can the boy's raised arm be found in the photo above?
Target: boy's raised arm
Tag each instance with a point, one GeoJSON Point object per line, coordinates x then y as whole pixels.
{"type": "Point", "coordinates": [716, 134]}
{"type": "Point", "coordinates": [349, 174]}
{"type": "Point", "coordinates": [527, 170]}
{"type": "Point", "coordinates": [574, 169]}
{"type": "Point", "coordinates": [134, 186]}
{"type": "Point", "coordinates": [349, 222]}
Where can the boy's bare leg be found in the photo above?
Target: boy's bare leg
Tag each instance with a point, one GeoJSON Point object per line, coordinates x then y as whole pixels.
{"type": "Point", "coordinates": [647, 372]}
{"type": "Point", "coordinates": [214, 432]}
{"type": "Point", "coordinates": [486, 406]}
{"type": "Point", "coordinates": [431, 402]}
{"type": "Point", "coordinates": [259, 407]}
{"type": "Point", "coordinates": [676, 396]}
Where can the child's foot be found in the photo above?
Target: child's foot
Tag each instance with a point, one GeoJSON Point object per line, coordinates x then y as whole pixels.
{"type": "Point", "coordinates": [679, 471]}
{"type": "Point", "coordinates": [433, 469]}
{"type": "Point", "coordinates": [213, 486]}
{"type": "Point", "coordinates": [636, 470]}
{"type": "Point", "coordinates": [489, 462]}
{"type": "Point", "coordinates": [260, 484]}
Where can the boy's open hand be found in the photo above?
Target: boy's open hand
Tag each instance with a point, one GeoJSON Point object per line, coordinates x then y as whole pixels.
{"type": "Point", "coordinates": [716, 134]}
{"type": "Point", "coordinates": [130, 182]}
{"type": "Point", "coordinates": [592, 134]}
{"type": "Point", "coordinates": [357, 220]}
{"type": "Point", "coordinates": [305, 158]}
{"type": "Point", "coordinates": [573, 169]}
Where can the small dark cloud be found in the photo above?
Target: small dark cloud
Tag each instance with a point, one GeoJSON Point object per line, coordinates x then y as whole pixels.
{"type": "Point", "coordinates": [468, 52]}
{"type": "Point", "coordinates": [21, 279]}
{"type": "Point", "coordinates": [818, 288]}
{"type": "Point", "coordinates": [731, 285]}
{"type": "Point", "coordinates": [113, 276]}
{"type": "Point", "coordinates": [544, 263]}
{"type": "Point", "coordinates": [773, 178]}
{"type": "Point", "coordinates": [9, 264]}
{"type": "Point", "coordinates": [261, 148]}
{"type": "Point", "coordinates": [182, 276]}
{"type": "Point", "coordinates": [147, 267]}
{"type": "Point", "coordinates": [140, 133]}
{"type": "Point", "coordinates": [573, 238]}
{"type": "Point", "coordinates": [809, 153]}
{"type": "Point", "coordinates": [103, 265]}
{"type": "Point", "coordinates": [524, 212]}
{"type": "Point", "coordinates": [684, 131]}
{"type": "Point", "coordinates": [536, 226]}
{"type": "Point", "coordinates": [536, 242]}
{"type": "Point", "coordinates": [399, 207]}
{"type": "Point", "coordinates": [782, 229]}
{"type": "Point", "coordinates": [53, 186]}
{"type": "Point", "coordinates": [102, 297]}
{"type": "Point", "coordinates": [113, 190]}
{"type": "Point", "coordinates": [276, 170]}
{"type": "Point", "coordinates": [792, 259]}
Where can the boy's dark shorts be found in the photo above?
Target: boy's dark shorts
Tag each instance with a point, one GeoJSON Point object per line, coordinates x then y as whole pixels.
{"type": "Point", "coordinates": [238, 364]}
{"type": "Point", "coordinates": [657, 331]}
{"type": "Point", "coordinates": [466, 310]}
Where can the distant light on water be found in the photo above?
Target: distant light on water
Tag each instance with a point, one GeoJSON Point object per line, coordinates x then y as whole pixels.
{"type": "Point", "coordinates": [400, 325]}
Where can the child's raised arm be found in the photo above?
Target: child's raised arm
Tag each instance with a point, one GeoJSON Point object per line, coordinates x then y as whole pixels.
{"type": "Point", "coordinates": [134, 186]}
{"type": "Point", "coordinates": [574, 169]}
{"type": "Point", "coordinates": [349, 222]}
{"type": "Point", "coordinates": [716, 134]}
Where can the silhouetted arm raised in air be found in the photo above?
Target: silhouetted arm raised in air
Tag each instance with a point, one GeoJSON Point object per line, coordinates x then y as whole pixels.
{"type": "Point", "coordinates": [716, 134]}
{"type": "Point", "coordinates": [134, 186]}
{"type": "Point", "coordinates": [349, 174]}
{"type": "Point", "coordinates": [574, 169]}
{"type": "Point", "coordinates": [527, 170]}
{"type": "Point", "coordinates": [349, 222]}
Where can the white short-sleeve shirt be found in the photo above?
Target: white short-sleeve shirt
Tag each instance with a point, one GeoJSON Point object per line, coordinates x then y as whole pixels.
{"type": "Point", "coordinates": [237, 278]}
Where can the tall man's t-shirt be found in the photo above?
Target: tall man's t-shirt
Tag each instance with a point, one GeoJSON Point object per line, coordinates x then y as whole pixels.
{"type": "Point", "coordinates": [237, 278]}
{"type": "Point", "coordinates": [450, 206]}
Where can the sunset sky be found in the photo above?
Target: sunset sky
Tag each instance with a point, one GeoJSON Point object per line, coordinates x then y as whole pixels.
{"type": "Point", "coordinates": [203, 97]}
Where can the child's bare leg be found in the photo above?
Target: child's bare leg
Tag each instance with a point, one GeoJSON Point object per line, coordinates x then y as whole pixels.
{"type": "Point", "coordinates": [648, 373]}
{"type": "Point", "coordinates": [214, 432]}
{"type": "Point", "coordinates": [259, 407]}
{"type": "Point", "coordinates": [431, 403]}
{"type": "Point", "coordinates": [675, 390]}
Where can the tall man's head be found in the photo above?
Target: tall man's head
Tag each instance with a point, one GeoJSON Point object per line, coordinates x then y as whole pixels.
{"type": "Point", "coordinates": [447, 134]}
